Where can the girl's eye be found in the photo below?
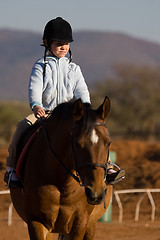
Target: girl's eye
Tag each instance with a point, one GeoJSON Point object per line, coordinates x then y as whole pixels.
{"type": "Point", "coordinates": [59, 44]}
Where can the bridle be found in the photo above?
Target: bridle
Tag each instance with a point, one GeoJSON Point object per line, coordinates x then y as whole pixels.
{"type": "Point", "coordinates": [77, 166]}
{"type": "Point", "coordinates": [89, 165]}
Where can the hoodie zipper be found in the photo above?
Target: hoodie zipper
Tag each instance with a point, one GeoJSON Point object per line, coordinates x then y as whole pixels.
{"type": "Point", "coordinates": [58, 83]}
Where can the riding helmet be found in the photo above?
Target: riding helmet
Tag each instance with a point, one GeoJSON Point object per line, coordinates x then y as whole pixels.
{"type": "Point", "coordinates": [59, 30]}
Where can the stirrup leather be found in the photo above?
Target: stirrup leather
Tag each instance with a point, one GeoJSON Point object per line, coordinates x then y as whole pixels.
{"type": "Point", "coordinates": [113, 164]}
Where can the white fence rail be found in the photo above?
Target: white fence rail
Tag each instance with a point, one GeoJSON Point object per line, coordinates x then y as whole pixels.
{"type": "Point", "coordinates": [10, 207]}
{"type": "Point", "coordinates": [144, 191]}
{"type": "Point", "coordinates": [4, 192]}
{"type": "Point", "coordinates": [116, 193]}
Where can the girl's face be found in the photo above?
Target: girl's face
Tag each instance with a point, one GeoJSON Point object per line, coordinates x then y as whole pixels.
{"type": "Point", "coordinates": [59, 49]}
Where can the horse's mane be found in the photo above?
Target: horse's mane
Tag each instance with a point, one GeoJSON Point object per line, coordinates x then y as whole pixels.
{"type": "Point", "coordinates": [65, 111]}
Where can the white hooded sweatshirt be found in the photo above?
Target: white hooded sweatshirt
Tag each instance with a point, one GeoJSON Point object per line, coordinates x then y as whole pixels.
{"type": "Point", "coordinates": [62, 82]}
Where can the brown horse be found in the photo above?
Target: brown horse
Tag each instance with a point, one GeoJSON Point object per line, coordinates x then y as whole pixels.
{"type": "Point", "coordinates": [64, 188]}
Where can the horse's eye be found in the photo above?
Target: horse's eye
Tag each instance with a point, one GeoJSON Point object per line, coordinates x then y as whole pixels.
{"type": "Point", "coordinates": [108, 144]}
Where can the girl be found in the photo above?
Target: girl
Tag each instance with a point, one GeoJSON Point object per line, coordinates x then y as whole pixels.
{"type": "Point", "coordinates": [54, 79]}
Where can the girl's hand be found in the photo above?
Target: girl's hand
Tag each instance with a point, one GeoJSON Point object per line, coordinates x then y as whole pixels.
{"type": "Point", "coordinates": [38, 111]}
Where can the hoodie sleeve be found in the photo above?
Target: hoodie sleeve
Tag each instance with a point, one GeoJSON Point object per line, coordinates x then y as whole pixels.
{"type": "Point", "coordinates": [36, 85]}
{"type": "Point", "coordinates": [81, 89]}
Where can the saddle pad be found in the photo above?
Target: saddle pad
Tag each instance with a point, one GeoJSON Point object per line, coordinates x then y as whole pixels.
{"type": "Point", "coordinates": [20, 163]}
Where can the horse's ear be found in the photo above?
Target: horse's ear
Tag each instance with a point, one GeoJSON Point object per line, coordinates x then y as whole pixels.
{"type": "Point", "coordinates": [78, 110]}
{"type": "Point", "coordinates": [103, 109]}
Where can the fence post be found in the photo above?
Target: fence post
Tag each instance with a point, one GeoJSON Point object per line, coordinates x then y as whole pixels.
{"type": "Point", "coordinates": [107, 216]}
{"type": "Point", "coordinates": [138, 206]}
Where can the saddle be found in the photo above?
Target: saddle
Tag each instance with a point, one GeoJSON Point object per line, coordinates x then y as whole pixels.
{"type": "Point", "coordinates": [24, 146]}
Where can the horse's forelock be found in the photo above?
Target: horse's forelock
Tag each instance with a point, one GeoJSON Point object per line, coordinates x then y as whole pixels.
{"type": "Point", "coordinates": [87, 122]}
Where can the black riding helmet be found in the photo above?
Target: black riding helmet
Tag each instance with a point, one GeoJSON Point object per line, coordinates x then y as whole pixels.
{"type": "Point", "coordinates": [59, 30]}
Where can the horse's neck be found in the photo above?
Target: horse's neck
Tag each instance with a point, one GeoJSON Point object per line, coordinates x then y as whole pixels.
{"type": "Point", "coordinates": [59, 141]}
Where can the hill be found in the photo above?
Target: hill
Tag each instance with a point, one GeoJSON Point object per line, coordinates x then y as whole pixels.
{"type": "Point", "coordinates": [95, 52]}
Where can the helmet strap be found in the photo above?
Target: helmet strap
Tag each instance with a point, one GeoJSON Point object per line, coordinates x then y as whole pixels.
{"type": "Point", "coordinates": [70, 55]}
{"type": "Point", "coordinates": [45, 62]}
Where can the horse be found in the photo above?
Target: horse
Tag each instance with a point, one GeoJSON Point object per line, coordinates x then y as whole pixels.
{"type": "Point", "coordinates": [64, 190]}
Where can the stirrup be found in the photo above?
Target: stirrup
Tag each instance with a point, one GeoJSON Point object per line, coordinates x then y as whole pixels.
{"type": "Point", "coordinates": [11, 183]}
{"type": "Point", "coordinates": [7, 177]}
{"type": "Point", "coordinates": [119, 175]}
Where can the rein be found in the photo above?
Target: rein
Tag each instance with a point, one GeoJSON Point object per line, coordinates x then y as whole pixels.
{"type": "Point", "coordinates": [77, 166]}
{"type": "Point", "coordinates": [55, 155]}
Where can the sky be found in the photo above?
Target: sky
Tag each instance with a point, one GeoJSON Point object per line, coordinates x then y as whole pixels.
{"type": "Point", "coordinates": [138, 18]}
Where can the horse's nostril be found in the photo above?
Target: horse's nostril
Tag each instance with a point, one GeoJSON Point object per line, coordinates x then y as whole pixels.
{"type": "Point", "coordinates": [88, 192]}
{"type": "Point", "coordinates": [93, 197]}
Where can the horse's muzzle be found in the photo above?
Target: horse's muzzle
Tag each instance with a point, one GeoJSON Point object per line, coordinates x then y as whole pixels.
{"type": "Point", "coordinates": [94, 198]}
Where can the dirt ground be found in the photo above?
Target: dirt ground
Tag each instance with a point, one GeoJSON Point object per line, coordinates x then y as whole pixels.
{"type": "Point", "coordinates": [141, 161]}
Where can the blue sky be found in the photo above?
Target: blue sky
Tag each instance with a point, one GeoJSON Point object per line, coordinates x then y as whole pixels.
{"type": "Point", "coordinates": [139, 18]}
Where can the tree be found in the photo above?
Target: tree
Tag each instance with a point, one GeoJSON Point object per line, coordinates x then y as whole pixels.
{"type": "Point", "coordinates": [135, 100]}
